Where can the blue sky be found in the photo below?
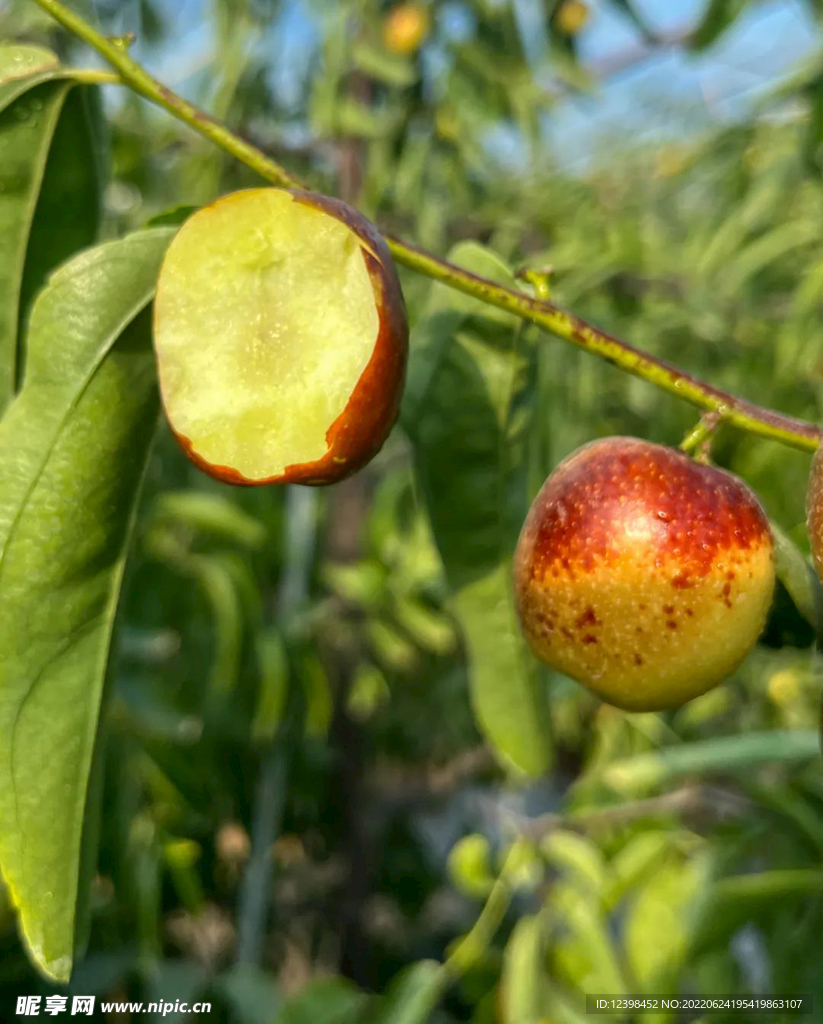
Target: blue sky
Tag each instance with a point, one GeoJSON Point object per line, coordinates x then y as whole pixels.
{"type": "Point", "coordinates": [659, 96]}
{"type": "Point", "coordinates": [767, 43]}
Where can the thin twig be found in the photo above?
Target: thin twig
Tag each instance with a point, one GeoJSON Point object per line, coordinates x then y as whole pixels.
{"type": "Point", "coordinates": [736, 411]}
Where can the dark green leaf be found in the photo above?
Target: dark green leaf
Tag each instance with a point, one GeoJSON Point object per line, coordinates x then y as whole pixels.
{"type": "Point", "coordinates": [251, 993]}
{"type": "Point", "coordinates": [797, 575]}
{"type": "Point", "coordinates": [720, 14]}
{"type": "Point", "coordinates": [324, 1001]}
{"type": "Point", "coordinates": [50, 185]}
{"type": "Point", "coordinates": [471, 458]}
{"type": "Point", "coordinates": [172, 218]}
{"type": "Point", "coordinates": [743, 898]}
{"type": "Point", "coordinates": [73, 447]}
{"type": "Point", "coordinates": [413, 995]}
{"type": "Point", "coordinates": [629, 8]}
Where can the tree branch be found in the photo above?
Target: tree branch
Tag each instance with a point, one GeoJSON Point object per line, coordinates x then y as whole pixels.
{"type": "Point", "coordinates": [742, 414]}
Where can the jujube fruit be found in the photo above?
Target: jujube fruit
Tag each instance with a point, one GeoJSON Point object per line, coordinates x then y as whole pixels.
{"type": "Point", "coordinates": [814, 510]}
{"type": "Point", "coordinates": [281, 338]}
{"type": "Point", "coordinates": [405, 28]}
{"type": "Point", "coordinates": [643, 574]}
{"type": "Point", "coordinates": [572, 16]}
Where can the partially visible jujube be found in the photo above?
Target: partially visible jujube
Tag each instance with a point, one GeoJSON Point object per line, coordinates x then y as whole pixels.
{"type": "Point", "coordinates": [814, 510]}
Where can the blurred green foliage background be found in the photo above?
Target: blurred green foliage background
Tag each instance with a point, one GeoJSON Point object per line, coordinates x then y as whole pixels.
{"type": "Point", "coordinates": [299, 805]}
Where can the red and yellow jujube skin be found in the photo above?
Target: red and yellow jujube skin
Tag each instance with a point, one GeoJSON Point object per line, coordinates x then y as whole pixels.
{"type": "Point", "coordinates": [281, 338]}
{"type": "Point", "coordinates": [406, 28]}
{"type": "Point", "coordinates": [814, 510]}
{"type": "Point", "coordinates": [642, 574]}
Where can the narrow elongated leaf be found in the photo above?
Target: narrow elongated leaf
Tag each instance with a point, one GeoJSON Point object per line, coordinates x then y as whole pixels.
{"type": "Point", "coordinates": [50, 185]}
{"type": "Point", "coordinates": [470, 408]}
{"type": "Point", "coordinates": [324, 1001]}
{"type": "Point", "coordinates": [212, 514]}
{"type": "Point", "coordinates": [719, 15]}
{"type": "Point", "coordinates": [743, 898]}
{"type": "Point", "coordinates": [413, 995]}
{"type": "Point", "coordinates": [73, 447]}
{"type": "Point", "coordinates": [797, 575]}
{"type": "Point", "coordinates": [524, 983]}
{"type": "Point", "coordinates": [388, 68]}
{"type": "Point", "coordinates": [726, 754]}
{"type": "Point", "coordinates": [628, 8]}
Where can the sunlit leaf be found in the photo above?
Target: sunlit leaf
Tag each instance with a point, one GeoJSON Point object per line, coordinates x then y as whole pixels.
{"type": "Point", "coordinates": [523, 982]}
{"type": "Point", "coordinates": [50, 185]}
{"type": "Point", "coordinates": [73, 447]}
{"type": "Point", "coordinates": [726, 754]}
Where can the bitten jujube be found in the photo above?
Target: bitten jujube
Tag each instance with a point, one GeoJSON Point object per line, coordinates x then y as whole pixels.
{"type": "Point", "coordinates": [281, 338]}
{"type": "Point", "coordinates": [643, 574]}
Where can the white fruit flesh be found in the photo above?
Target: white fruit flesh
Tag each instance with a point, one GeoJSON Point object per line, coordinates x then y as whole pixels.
{"type": "Point", "coordinates": [265, 320]}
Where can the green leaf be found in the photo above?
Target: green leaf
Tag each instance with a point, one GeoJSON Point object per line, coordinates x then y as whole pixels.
{"type": "Point", "coordinates": [73, 447]}
{"type": "Point", "coordinates": [634, 862]}
{"type": "Point", "coordinates": [220, 588]}
{"type": "Point", "coordinates": [719, 15]}
{"type": "Point", "coordinates": [324, 1001]}
{"type": "Point", "coordinates": [727, 754]}
{"type": "Point", "coordinates": [363, 122]}
{"type": "Point", "coordinates": [273, 692]}
{"type": "Point", "coordinates": [580, 860]}
{"type": "Point", "coordinates": [251, 993]}
{"type": "Point", "coordinates": [388, 68]}
{"type": "Point", "coordinates": [523, 983]}
{"type": "Point", "coordinates": [50, 185]}
{"type": "Point", "coordinates": [369, 691]}
{"type": "Point", "coordinates": [662, 918]}
{"type": "Point", "coordinates": [472, 465]}
{"type": "Point", "coordinates": [743, 898]}
{"type": "Point", "coordinates": [21, 61]}
{"type": "Point", "coordinates": [587, 955]}
{"type": "Point", "coordinates": [172, 218]}
{"type": "Point", "coordinates": [799, 578]}
{"type": "Point", "coordinates": [628, 8]}
{"type": "Point", "coordinates": [319, 705]}
{"type": "Point", "coordinates": [413, 995]}
{"type": "Point", "coordinates": [213, 514]}
{"type": "Point", "coordinates": [469, 865]}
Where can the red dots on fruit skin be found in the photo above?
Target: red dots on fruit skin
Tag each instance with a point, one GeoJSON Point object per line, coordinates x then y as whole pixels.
{"type": "Point", "coordinates": [588, 618]}
{"type": "Point", "coordinates": [628, 547]}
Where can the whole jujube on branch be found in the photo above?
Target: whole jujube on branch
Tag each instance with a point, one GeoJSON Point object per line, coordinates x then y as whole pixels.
{"type": "Point", "coordinates": [643, 574]}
